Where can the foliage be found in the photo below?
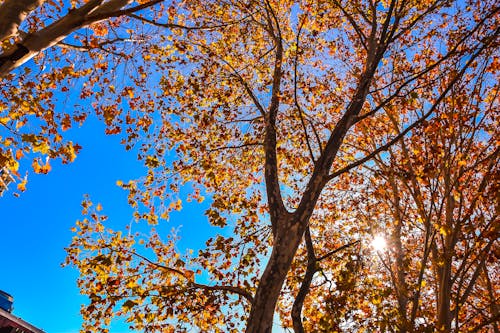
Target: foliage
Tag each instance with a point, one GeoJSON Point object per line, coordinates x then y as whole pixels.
{"type": "Point", "coordinates": [310, 126]}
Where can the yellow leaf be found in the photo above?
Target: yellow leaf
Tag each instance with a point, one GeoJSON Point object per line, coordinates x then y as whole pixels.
{"type": "Point", "coordinates": [39, 168]}
{"type": "Point", "coordinates": [41, 147]}
{"type": "Point", "coordinates": [13, 165]}
{"type": "Point", "coordinates": [177, 205]}
{"type": "Point", "coordinates": [19, 154]}
{"type": "Point", "coordinates": [22, 185]}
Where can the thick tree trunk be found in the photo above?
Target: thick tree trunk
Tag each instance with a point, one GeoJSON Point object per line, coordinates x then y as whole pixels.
{"type": "Point", "coordinates": [271, 281]}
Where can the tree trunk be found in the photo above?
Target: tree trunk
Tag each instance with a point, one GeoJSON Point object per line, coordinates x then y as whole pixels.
{"type": "Point", "coordinates": [444, 300]}
{"type": "Point", "coordinates": [285, 246]}
{"type": "Point", "coordinates": [13, 13]}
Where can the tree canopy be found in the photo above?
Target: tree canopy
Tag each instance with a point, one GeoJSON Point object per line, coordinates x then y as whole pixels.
{"type": "Point", "coordinates": [311, 127]}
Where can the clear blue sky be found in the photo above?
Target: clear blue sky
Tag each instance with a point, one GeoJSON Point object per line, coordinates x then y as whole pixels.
{"type": "Point", "coordinates": [35, 227]}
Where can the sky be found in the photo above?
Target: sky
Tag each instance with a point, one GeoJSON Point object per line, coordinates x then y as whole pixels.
{"type": "Point", "coordinates": [35, 227]}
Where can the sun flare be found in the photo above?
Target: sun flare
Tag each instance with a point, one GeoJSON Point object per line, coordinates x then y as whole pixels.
{"type": "Point", "coordinates": [379, 243]}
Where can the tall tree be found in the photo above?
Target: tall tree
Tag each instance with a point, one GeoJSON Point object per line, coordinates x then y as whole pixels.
{"type": "Point", "coordinates": [260, 111]}
{"type": "Point", "coordinates": [440, 191]}
{"type": "Point", "coordinates": [432, 197]}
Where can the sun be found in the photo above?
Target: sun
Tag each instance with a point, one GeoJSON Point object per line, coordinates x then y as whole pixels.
{"type": "Point", "coordinates": [379, 243]}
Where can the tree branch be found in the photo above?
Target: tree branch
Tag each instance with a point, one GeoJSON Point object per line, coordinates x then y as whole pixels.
{"type": "Point", "coordinates": [421, 119]}
{"type": "Point", "coordinates": [188, 28]}
{"type": "Point", "coordinates": [13, 13]}
{"type": "Point", "coordinates": [295, 95]}
{"type": "Point", "coordinates": [275, 201]}
{"type": "Point", "coordinates": [233, 289]}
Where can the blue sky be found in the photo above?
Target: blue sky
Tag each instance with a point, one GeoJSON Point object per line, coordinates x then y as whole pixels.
{"type": "Point", "coordinates": [36, 226]}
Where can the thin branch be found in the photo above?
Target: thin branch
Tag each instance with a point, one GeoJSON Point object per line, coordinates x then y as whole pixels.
{"type": "Point", "coordinates": [352, 21]}
{"type": "Point", "coordinates": [343, 247]}
{"type": "Point", "coordinates": [233, 289]}
{"type": "Point", "coordinates": [123, 12]}
{"type": "Point", "coordinates": [420, 120]}
{"type": "Point", "coordinates": [85, 48]}
{"type": "Point", "coordinates": [236, 74]}
{"type": "Point", "coordinates": [295, 95]}
{"type": "Point", "coordinates": [184, 27]}
{"type": "Point", "coordinates": [252, 144]}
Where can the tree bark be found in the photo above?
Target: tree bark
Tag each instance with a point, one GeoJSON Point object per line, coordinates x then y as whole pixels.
{"type": "Point", "coordinates": [444, 299]}
{"type": "Point", "coordinates": [18, 54]}
{"type": "Point", "coordinates": [285, 245]}
{"type": "Point", "coordinates": [13, 13]}
{"type": "Point", "coordinates": [91, 12]}
{"type": "Point", "coordinates": [311, 269]}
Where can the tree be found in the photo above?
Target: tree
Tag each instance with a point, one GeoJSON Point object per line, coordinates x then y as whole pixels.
{"type": "Point", "coordinates": [261, 110]}
{"type": "Point", "coordinates": [442, 200]}
{"type": "Point", "coordinates": [13, 13]}
{"type": "Point", "coordinates": [433, 199]}
{"type": "Point", "coordinates": [78, 48]}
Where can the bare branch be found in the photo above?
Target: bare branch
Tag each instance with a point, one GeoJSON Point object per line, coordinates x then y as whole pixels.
{"type": "Point", "coordinates": [343, 247]}
{"type": "Point", "coordinates": [233, 289]}
{"type": "Point", "coordinates": [102, 14]}
{"type": "Point", "coordinates": [244, 145]}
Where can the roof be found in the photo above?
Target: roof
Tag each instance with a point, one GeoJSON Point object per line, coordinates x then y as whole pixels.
{"type": "Point", "coordinates": [7, 319]}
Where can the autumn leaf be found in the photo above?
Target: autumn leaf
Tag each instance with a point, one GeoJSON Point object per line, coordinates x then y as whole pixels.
{"type": "Point", "coordinates": [22, 185]}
